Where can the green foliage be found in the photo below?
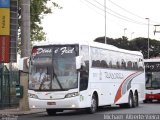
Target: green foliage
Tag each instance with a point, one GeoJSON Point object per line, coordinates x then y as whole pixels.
{"type": "Point", "coordinates": [38, 9]}
{"type": "Point", "coordinates": [137, 44]}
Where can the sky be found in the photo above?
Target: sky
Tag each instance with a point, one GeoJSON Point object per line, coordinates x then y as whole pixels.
{"type": "Point", "coordinates": [84, 20]}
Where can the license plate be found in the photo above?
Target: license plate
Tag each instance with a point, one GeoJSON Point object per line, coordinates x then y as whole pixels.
{"type": "Point", "coordinates": [51, 103]}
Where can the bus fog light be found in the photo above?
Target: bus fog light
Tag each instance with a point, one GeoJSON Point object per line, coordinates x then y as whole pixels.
{"type": "Point", "coordinates": [73, 106]}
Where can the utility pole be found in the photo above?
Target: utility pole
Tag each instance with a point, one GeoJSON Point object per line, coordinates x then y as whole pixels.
{"type": "Point", "coordinates": [105, 21]}
{"type": "Point", "coordinates": [148, 37]}
{"type": "Point", "coordinates": [25, 50]}
{"type": "Point", "coordinates": [25, 28]}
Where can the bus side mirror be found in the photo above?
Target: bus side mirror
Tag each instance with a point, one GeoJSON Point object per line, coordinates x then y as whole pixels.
{"type": "Point", "coordinates": [78, 62]}
{"type": "Point", "coordinates": [24, 64]}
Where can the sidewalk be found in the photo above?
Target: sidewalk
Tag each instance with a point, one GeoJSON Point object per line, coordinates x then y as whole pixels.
{"type": "Point", "coordinates": [16, 111]}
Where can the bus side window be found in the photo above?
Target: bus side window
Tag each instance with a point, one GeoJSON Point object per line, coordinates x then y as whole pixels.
{"type": "Point", "coordinates": [123, 64]}
{"type": "Point", "coordinates": [136, 66]}
{"type": "Point", "coordinates": [83, 80]}
{"type": "Point", "coordinates": [87, 64]}
{"type": "Point", "coordinates": [93, 63]}
{"type": "Point", "coordinates": [98, 63]}
{"type": "Point", "coordinates": [129, 65]}
{"type": "Point", "coordinates": [104, 64]}
{"type": "Point", "coordinates": [118, 64]}
{"type": "Point", "coordinates": [110, 64]}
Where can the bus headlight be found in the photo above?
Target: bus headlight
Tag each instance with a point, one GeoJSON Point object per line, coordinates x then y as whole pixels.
{"type": "Point", "coordinates": [32, 96]}
{"type": "Point", "coordinates": [74, 94]}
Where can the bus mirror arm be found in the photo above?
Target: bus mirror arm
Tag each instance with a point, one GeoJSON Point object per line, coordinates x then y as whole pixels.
{"type": "Point", "coordinates": [78, 62]}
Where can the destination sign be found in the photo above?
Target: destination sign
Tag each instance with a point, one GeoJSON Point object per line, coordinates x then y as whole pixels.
{"type": "Point", "coordinates": [152, 66]}
{"type": "Point", "coordinates": [42, 51]}
{"type": "Point", "coordinates": [64, 51]}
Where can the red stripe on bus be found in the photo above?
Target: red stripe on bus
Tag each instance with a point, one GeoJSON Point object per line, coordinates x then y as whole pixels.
{"type": "Point", "coordinates": [119, 92]}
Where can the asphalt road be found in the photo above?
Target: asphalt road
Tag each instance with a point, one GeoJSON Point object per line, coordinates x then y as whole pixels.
{"type": "Point", "coordinates": [147, 111]}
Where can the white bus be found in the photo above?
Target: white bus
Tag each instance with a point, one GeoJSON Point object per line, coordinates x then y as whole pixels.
{"type": "Point", "coordinates": [152, 69]}
{"type": "Point", "coordinates": [84, 76]}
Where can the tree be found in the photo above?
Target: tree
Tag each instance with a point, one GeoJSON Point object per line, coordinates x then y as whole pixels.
{"type": "Point", "coordinates": [38, 9]}
{"type": "Point", "coordinates": [137, 44]}
{"type": "Point", "coordinates": [141, 44]}
{"type": "Point", "coordinates": [122, 42]}
{"type": "Point", "coordinates": [119, 42]}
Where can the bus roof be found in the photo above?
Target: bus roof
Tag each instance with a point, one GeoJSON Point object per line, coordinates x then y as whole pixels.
{"type": "Point", "coordinates": [114, 48]}
{"type": "Point", "coordinates": [93, 44]}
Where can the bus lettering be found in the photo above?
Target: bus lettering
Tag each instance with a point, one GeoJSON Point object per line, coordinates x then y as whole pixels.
{"type": "Point", "coordinates": [42, 51]}
{"type": "Point", "coordinates": [114, 75]}
{"type": "Point", "coordinates": [64, 50]}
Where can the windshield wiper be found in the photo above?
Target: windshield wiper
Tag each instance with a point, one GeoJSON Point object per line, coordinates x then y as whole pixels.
{"type": "Point", "coordinates": [54, 75]}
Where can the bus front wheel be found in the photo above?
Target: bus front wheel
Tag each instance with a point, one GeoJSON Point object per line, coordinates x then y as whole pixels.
{"type": "Point", "coordinates": [94, 105]}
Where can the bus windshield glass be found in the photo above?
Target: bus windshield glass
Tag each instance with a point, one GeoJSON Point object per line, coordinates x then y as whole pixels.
{"type": "Point", "coordinates": [53, 68]}
{"type": "Point", "coordinates": [152, 75]}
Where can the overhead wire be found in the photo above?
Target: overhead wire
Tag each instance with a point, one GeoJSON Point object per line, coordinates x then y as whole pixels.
{"type": "Point", "coordinates": [101, 14]}
{"type": "Point", "coordinates": [127, 18]}
{"type": "Point", "coordinates": [126, 10]}
{"type": "Point", "coordinates": [115, 14]}
{"type": "Point", "coordinates": [91, 8]}
{"type": "Point", "coordinates": [111, 14]}
{"type": "Point", "coordinates": [129, 11]}
{"type": "Point", "coordinates": [106, 11]}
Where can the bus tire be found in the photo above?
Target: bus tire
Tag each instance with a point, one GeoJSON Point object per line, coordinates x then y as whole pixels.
{"type": "Point", "coordinates": [94, 105]}
{"type": "Point", "coordinates": [136, 100]}
{"type": "Point", "coordinates": [51, 112]}
{"type": "Point", "coordinates": [145, 101]}
{"type": "Point", "coordinates": [130, 103]}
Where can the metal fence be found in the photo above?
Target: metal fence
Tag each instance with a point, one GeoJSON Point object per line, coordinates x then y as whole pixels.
{"type": "Point", "coordinates": [8, 82]}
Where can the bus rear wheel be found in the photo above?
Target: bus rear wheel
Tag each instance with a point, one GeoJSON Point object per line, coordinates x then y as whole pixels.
{"type": "Point", "coordinates": [94, 105]}
{"type": "Point", "coordinates": [51, 112]}
{"type": "Point", "coordinates": [136, 100]}
{"type": "Point", "coordinates": [130, 103]}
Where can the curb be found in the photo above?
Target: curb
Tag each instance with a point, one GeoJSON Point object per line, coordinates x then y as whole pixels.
{"type": "Point", "coordinates": [19, 113]}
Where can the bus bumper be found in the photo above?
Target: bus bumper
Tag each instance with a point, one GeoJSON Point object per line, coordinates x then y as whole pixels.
{"type": "Point", "coordinates": [66, 103]}
{"type": "Point", "coordinates": [152, 96]}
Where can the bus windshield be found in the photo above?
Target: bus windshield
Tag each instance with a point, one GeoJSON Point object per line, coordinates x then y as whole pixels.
{"type": "Point", "coordinates": [53, 69]}
{"type": "Point", "coordinates": [152, 75]}
{"type": "Point", "coordinates": [153, 80]}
